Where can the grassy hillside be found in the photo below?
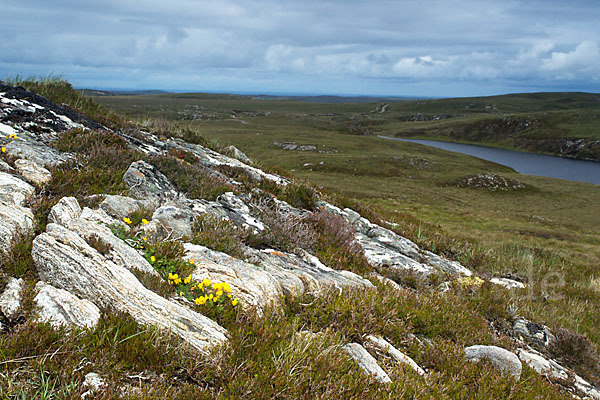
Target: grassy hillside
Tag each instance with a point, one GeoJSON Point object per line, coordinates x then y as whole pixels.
{"type": "Point", "coordinates": [550, 227]}
{"type": "Point", "coordinates": [545, 232]}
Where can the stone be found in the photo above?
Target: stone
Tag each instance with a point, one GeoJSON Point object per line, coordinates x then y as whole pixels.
{"type": "Point", "coordinates": [64, 260]}
{"type": "Point", "coordinates": [94, 383]}
{"type": "Point", "coordinates": [11, 298]}
{"type": "Point", "coordinates": [38, 152]}
{"type": "Point", "coordinates": [92, 226]}
{"type": "Point", "coordinates": [239, 212]}
{"type": "Point", "coordinates": [4, 167]}
{"type": "Point", "coordinates": [145, 182]}
{"type": "Point", "coordinates": [537, 335]}
{"type": "Point", "coordinates": [65, 210]}
{"type": "Point", "coordinates": [237, 154]}
{"type": "Point", "coordinates": [299, 275]}
{"type": "Point", "coordinates": [250, 284]}
{"type": "Point", "coordinates": [33, 172]}
{"type": "Point", "coordinates": [60, 308]}
{"type": "Point", "coordinates": [366, 362]}
{"type": "Point", "coordinates": [122, 206]}
{"type": "Point", "coordinates": [176, 219]}
{"type": "Point", "coordinates": [543, 366]}
{"type": "Point", "coordinates": [383, 345]}
{"type": "Point", "coordinates": [212, 159]}
{"type": "Point", "coordinates": [502, 359]}
{"type": "Point", "coordinates": [15, 221]}
{"type": "Point", "coordinates": [386, 249]}
{"type": "Point", "coordinates": [14, 191]}
{"type": "Point", "coordinates": [508, 283]}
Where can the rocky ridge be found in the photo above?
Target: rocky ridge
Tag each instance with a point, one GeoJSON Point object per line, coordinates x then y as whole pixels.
{"type": "Point", "coordinates": [77, 280]}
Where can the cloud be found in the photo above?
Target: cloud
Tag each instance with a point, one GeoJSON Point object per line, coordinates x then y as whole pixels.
{"type": "Point", "coordinates": [327, 44]}
{"type": "Point", "coordinates": [583, 60]}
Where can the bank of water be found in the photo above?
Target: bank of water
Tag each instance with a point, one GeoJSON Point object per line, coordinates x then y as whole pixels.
{"type": "Point", "coordinates": [524, 163]}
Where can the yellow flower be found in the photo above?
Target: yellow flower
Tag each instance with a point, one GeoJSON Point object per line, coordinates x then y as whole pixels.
{"type": "Point", "coordinates": [181, 293]}
{"type": "Point", "coordinates": [211, 296]}
{"type": "Point", "coordinates": [13, 136]}
{"type": "Point", "coordinates": [234, 302]}
{"type": "Point", "coordinates": [127, 220]}
{"type": "Point", "coordinates": [145, 221]}
{"type": "Point", "coordinates": [219, 293]}
{"type": "Point", "coordinates": [217, 286]}
{"type": "Point", "coordinates": [188, 279]}
{"type": "Point", "coordinates": [145, 238]}
{"type": "Point", "coordinates": [226, 288]}
{"type": "Point", "coordinates": [152, 258]}
{"type": "Point", "coordinates": [4, 149]}
{"type": "Point", "coordinates": [177, 281]}
{"type": "Point", "coordinates": [206, 282]}
{"type": "Point", "coordinates": [200, 300]}
{"type": "Point", "coordinates": [229, 295]}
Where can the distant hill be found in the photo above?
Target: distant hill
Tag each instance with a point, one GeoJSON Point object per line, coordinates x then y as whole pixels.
{"type": "Point", "coordinates": [94, 92]}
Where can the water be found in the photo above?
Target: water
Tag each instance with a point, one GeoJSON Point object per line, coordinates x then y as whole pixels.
{"type": "Point", "coordinates": [524, 163]}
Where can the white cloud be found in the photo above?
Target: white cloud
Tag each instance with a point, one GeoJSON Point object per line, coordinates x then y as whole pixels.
{"type": "Point", "coordinates": [583, 60]}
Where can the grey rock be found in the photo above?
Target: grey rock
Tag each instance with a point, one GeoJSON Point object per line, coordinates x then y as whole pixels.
{"type": "Point", "coordinates": [14, 221]}
{"type": "Point", "coordinates": [534, 334]}
{"type": "Point", "coordinates": [33, 172]}
{"type": "Point", "coordinates": [94, 383]}
{"type": "Point", "coordinates": [145, 182]}
{"type": "Point", "coordinates": [29, 148]}
{"type": "Point", "coordinates": [508, 283]}
{"type": "Point", "coordinates": [384, 248]}
{"type": "Point", "coordinates": [542, 365]}
{"type": "Point", "coordinates": [253, 286]}
{"type": "Point", "coordinates": [239, 212]}
{"type": "Point", "coordinates": [66, 261]}
{"type": "Point", "coordinates": [383, 345]}
{"type": "Point", "coordinates": [64, 211]}
{"type": "Point", "coordinates": [60, 308]}
{"type": "Point", "coordinates": [176, 219]}
{"type": "Point", "coordinates": [556, 372]}
{"type": "Point", "coordinates": [4, 167]}
{"type": "Point", "coordinates": [11, 298]}
{"type": "Point", "coordinates": [366, 362]}
{"type": "Point", "coordinates": [212, 159]}
{"type": "Point", "coordinates": [298, 275]}
{"type": "Point", "coordinates": [121, 206]}
{"type": "Point", "coordinates": [501, 358]}
{"type": "Point", "coordinates": [92, 225]}
{"type": "Point", "coordinates": [237, 154]}
{"type": "Point", "coordinates": [14, 191]}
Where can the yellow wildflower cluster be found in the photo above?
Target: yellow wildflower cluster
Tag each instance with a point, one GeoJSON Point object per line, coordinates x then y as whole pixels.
{"type": "Point", "coordinates": [469, 281]}
{"type": "Point", "coordinates": [204, 292]}
{"type": "Point", "coordinates": [9, 138]}
{"type": "Point", "coordinates": [213, 293]}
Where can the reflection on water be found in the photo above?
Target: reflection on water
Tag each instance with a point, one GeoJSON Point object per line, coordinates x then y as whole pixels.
{"type": "Point", "coordinates": [525, 163]}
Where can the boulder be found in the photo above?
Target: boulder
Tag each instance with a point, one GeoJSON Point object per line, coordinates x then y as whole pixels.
{"type": "Point", "coordinates": [537, 335]}
{"type": "Point", "coordinates": [383, 345]}
{"type": "Point", "coordinates": [92, 226]}
{"type": "Point", "coordinates": [543, 366]}
{"type": "Point", "coordinates": [145, 182]}
{"type": "Point", "coordinates": [384, 248]}
{"type": "Point", "coordinates": [14, 191]}
{"type": "Point", "coordinates": [60, 308]}
{"type": "Point", "coordinates": [11, 298]}
{"type": "Point", "coordinates": [4, 167]}
{"type": "Point", "coordinates": [121, 206]}
{"type": "Point", "coordinates": [66, 261]}
{"type": "Point", "coordinates": [237, 154]}
{"type": "Point", "coordinates": [212, 159]}
{"type": "Point", "coordinates": [33, 172]}
{"type": "Point", "coordinates": [366, 362]}
{"type": "Point", "coordinates": [298, 275]}
{"type": "Point", "coordinates": [250, 284]}
{"type": "Point", "coordinates": [14, 222]}
{"type": "Point", "coordinates": [501, 358]}
{"type": "Point", "coordinates": [508, 283]}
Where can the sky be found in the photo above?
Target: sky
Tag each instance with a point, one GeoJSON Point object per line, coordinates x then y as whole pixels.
{"type": "Point", "coordinates": [427, 48]}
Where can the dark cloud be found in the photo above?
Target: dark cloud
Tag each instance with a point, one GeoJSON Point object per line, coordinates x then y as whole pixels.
{"type": "Point", "coordinates": [443, 47]}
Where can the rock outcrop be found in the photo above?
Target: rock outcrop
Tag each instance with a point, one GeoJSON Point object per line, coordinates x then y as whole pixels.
{"type": "Point", "coordinates": [366, 362]}
{"type": "Point", "coordinates": [65, 260]}
{"type": "Point", "coordinates": [11, 298]}
{"type": "Point", "coordinates": [60, 308]}
{"type": "Point", "coordinates": [502, 359]}
{"type": "Point", "coordinates": [15, 220]}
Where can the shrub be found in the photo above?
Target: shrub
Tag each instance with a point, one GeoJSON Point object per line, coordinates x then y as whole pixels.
{"type": "Point", "coordinates": [219, 235]}
{"type": "Point", "coordinates": [577, 352]}
{"type": "Point", "coordinates": [299, 196]}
